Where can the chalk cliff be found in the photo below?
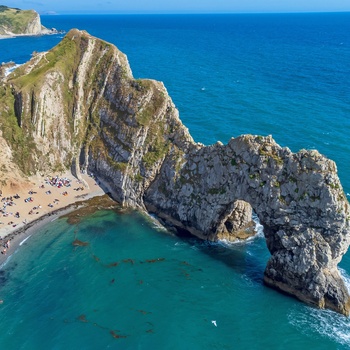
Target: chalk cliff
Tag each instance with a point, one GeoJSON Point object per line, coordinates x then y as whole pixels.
{"type": "Point", "coordinates": [79, 106]}
{"type": "Point", "coordinates": [15, 22]}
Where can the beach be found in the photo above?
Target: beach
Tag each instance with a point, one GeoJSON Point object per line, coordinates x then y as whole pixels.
{"type": "Point", "coordinates": [43, 199]}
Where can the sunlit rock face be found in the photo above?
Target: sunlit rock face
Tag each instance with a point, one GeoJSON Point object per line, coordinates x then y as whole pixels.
{"type": "Point", "coordinates": [14, 22]}
{"type": "Point", "coordinates": [79, 106]}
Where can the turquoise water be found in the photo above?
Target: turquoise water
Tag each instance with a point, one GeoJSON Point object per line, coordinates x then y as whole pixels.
{"type": "Point", "coordinates": [279, 74]}
{"type": "Point", "coordinates": [285, 75]}
{"type": "Point", "coordinates": [155, 289]}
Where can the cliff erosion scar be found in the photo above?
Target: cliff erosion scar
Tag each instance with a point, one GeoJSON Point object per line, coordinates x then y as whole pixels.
{"type": "Point", "coordinates": [79, 106]}
{"type": "Point", "coordinates": [14, 22]}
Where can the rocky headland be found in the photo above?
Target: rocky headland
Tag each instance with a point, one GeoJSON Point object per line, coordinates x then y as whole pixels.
{"type": "Point", "coordinates": [78, 106]}
{"type": "Point", "coordinates": [16, 22]}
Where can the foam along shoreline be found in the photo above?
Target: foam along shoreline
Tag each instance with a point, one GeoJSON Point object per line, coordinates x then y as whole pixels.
{"type": "Point", "coordinates": [18, 237]}
{"type": "Point", "coordinates": [9, 70]}
{"type": "Point", "coordinates": [51, 202]}
{"type": "Point", "coordinates": [52, 31]}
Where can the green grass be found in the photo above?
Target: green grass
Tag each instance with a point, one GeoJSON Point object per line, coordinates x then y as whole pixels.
{"type": "Point", "coordinates": [138, 177]}
{"type": "Point", "coordinates": [146, 116]}
{"type": "Point", "coordinates": [157, 145]}
{"type": "Point", "coordinates": [21, 145]}
{"type": "Point", "coordinates": [15, 20]}
{"type": "Point", "coordinates": [216, 191]}
{"type": "Point", "coordinates": [334, 186]}
{"type": "Point", "coordinates": [271, 154]}
{"type": "Point", "coordinates": [157, 151]}
{"type": "Point", "coordinates": [62, 58]}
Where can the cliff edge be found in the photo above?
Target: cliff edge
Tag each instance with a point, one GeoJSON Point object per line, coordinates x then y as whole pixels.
{"type": "Point", "coordinates": [79, 106]}
{"type": "Point", "coordinates": [14, 22]}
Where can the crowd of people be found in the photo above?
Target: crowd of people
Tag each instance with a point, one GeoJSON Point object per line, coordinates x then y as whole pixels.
{"type": "Point", "coordinates": [46, 187]}
{"type": "Point", "coordinates": [58, 181]}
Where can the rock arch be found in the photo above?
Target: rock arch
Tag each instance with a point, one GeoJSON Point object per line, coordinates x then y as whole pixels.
{"type": "Point", "coordinates": [297, 197]}
{"type": "Point", "coordinates": [134, 141]}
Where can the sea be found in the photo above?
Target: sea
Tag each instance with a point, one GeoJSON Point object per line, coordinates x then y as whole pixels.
{"type": "Point", "coordinates": [134, 285]}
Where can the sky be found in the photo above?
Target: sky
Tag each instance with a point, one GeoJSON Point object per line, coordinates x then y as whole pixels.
{"type": "Point", "coordinates": [178, 6]}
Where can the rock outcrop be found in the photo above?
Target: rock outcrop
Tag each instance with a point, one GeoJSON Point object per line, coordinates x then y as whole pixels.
{"type": "Point", "coordinates": [14, 22]}
{"type": "Point", "coordinates": [78, 105]}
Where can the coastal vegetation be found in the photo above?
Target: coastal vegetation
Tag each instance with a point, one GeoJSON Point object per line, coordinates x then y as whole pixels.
{"type": "Point", "coordinates": [14, 20]}
{"type": "Point", "coordinates": [79, 106]}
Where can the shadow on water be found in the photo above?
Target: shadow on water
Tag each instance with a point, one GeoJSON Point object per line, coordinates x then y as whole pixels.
{"type": "Point", "coordinates": [3, 278]}
{"type": "Point", "coordinates": [237, 257]}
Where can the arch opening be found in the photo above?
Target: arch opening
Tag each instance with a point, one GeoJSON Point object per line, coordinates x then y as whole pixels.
{"type": "Point", "coordinates": [238, 223]}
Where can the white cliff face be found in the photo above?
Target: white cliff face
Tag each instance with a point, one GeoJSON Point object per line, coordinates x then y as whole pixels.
{"type": "Point", "coordinates": [79, 104]}
{"type": "Point", "coordinates": [52, 136]}
{"type": "Point", "coordinates": [34, 27]}
{"type": "Point", "coordinates": [14, 22]}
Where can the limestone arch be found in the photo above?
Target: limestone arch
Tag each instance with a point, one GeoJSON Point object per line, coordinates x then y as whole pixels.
{"type": "Point", "coordinates": [296, 196]}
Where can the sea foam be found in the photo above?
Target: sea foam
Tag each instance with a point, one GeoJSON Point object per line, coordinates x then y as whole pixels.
{"type": "Point", "coordinates": [326, 323]}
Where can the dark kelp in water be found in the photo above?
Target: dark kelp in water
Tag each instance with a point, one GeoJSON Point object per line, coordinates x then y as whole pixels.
{"type": "Point", "coordinates": [78, 243]}
{"type": "Point", "coordinates": [89, 207]}
{"type": "Point", "coordinates": [82, 318]}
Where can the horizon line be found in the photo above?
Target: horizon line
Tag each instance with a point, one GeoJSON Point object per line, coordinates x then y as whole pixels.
{"type": "Point", "coordinates": [49, 13]}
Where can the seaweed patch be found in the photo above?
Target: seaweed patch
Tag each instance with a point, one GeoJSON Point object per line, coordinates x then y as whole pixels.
{"type": "Point", "coordinates": [82, 318]}
{"type": "Point", "coordinates": [78, 243]}
{"type": "Point", "coordinates": [155, 260]}
{"type": "Point", "coordinates": [131, 261]}
{"type": "Point", "coordinates": [116, 336]}
{"type": "Point", "coordinates": [143, 312]}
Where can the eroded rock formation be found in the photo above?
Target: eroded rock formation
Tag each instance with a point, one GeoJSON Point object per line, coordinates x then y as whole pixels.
{"type": "Point", "coordinates": [78, 105]}
{"type": "Point", "coordinates": [14, 21]}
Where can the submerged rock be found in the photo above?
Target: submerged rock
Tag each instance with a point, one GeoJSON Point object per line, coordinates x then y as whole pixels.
{"type": "Point", "coordinates": [78, 243]}
{"type": "Point", "coordinates": [79, 106]}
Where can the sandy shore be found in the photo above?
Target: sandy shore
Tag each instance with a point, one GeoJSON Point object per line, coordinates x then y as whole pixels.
{"type": "Point", "coordinates": [39, 204]}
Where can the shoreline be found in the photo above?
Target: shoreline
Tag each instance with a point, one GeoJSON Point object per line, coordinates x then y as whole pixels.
{"type": "Point", "coordinates": [20, 235]}
{"type": "Point", "coordinates": [27, 223]}
{"type": "Point", "coordinates": [11, 36]}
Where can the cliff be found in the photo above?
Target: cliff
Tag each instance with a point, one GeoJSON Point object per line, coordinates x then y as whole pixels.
{"type": "Point", "coordinates": [78, 106]}
{"type": "Point", "coordinates": [15, 22]}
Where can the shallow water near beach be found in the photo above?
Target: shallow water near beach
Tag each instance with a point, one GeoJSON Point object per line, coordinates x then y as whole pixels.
{"type": "Point", "coordinates": [137, 287]}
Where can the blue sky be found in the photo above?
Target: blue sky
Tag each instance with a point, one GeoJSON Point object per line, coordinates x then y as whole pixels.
{"type": "Point", "coordinates": [179, 6]}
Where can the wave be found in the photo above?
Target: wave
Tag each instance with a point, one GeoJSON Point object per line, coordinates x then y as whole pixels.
{"type": "Point", "coordinates": [259, 229]}
{"type": "Point", "coordinates": [346, 278]}
{"type": "Point", "coordinates": [155, 222]}
{"type": "Point", "coordinates": [11, 69]}
{"type": "Point", "coordinates": [5, 262]}
{"type": "Point", "coordinates": [24, 240]}
{"type": "Point", "coordinates": [325, 323]}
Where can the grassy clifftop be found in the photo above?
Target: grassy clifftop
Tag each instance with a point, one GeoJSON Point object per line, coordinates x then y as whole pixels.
{"type": "Point", "coordinates": [74, 96]}
{"type": "Point", "coordinates": [15, 21]}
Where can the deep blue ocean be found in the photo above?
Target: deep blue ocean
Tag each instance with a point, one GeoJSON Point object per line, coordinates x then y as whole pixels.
{"type": "Point", "coordinates": [136, 286]}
